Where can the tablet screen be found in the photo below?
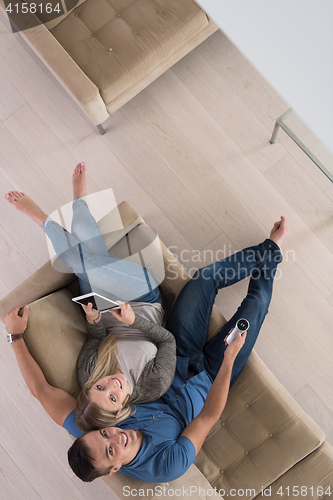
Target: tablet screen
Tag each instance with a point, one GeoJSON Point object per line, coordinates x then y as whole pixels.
{"type": "Point", "coordinates": [99, 303]}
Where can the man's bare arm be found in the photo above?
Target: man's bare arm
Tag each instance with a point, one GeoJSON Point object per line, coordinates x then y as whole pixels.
{"type": "Point", "coordinates": [56, 402]}
{"type": "Point", "coordinates": [200, 426]}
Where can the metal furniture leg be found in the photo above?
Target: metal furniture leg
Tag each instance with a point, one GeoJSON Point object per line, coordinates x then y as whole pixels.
{"type": "Point", "coordinates": [101, 130]}
{"type": "Point", "coordinates": [275, 132]}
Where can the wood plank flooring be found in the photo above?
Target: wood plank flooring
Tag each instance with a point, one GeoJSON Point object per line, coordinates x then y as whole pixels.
{"type": "Point", "coordinates": [192, 154]}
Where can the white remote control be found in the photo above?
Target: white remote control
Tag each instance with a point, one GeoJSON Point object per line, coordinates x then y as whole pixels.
{"type": "Point", "coordinates": [241, 326]}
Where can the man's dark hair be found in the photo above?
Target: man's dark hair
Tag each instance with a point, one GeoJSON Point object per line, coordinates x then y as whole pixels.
{"type": "Point", "coordinates": [81, 462]}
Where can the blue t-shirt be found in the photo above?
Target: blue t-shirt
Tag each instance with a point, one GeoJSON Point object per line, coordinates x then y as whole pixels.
{"type": "Point", "coordinates": [165, 454]}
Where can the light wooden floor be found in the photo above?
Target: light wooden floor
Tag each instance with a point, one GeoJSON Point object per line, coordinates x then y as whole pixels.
{"type": "Point", "coordinates": [192, 154]}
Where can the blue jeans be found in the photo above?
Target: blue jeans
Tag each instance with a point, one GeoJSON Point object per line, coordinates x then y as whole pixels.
{"type": "Point", "coordinates": [84, 251]}
{"type": "Point", "coordinates": [189, 318]}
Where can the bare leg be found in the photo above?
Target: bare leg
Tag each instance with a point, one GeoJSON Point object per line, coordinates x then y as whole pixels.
{"type": "Point", "coordinates": [279, 231]}
{"type": "Point", "coordinates": [26, 205]}
{"type": "Point", "coordinates": [79, 180]}
{"type": "Point", "coordinates": [84, 226]}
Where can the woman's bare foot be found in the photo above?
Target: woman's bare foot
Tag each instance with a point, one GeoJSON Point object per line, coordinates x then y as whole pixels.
{"type": "Point", "coordinates": [279, 231]}
{"type": "Point", "coordinates": [79, 180]}
{"type": "Point", "coordinates": [26, 205]}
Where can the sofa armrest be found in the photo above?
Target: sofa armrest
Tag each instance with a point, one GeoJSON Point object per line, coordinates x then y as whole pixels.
{"type": "Point", "coordinates": [65, 70]}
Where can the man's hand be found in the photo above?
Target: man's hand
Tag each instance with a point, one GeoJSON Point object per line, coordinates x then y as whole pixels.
{"type": "Point", "coordinates": [125, 314]}
{"type": "Point", "coordinates": [235, 346]}
{"type": "Point", "coordinates": [15, 323]}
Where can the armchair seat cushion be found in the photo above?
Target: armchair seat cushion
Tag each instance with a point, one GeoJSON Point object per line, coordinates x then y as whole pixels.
{"type": "Point", "coordinates": [117, 42]}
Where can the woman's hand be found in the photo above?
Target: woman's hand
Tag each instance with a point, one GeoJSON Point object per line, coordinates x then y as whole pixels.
{"type": "Point", "coordinates": [125, 314]}
{"type": "Point", "coordinates": [235, 346]}
{"type": "Point", "coordinates": [91, 314]}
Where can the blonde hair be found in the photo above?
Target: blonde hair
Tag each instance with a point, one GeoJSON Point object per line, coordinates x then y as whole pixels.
{"type": "Point", "coordinates": [88, 415]}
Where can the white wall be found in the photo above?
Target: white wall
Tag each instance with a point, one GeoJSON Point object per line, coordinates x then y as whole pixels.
{"type": "Point", "coordinates": [291, 43]}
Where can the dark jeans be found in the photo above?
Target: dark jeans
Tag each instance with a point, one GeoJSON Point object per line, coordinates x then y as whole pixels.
{"type": "Point", "coordinates": [189, 319]}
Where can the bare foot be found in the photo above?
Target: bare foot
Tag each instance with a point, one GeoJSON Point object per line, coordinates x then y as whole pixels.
{"type": "Point", "coordinates": [26, 205]}
{"type": "Point", "coordinates": [279, 231]}
{"type": "Point", "coordinates": [79, 180]}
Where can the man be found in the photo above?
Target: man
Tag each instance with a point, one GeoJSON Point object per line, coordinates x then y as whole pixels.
{"type": "Point", "coordinates": [161, 440]}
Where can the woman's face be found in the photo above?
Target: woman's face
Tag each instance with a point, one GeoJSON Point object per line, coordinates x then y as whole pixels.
{"type": "Point", "coordinates": [109, 393]}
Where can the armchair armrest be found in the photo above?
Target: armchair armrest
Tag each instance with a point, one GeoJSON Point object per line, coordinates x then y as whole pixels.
{"type": "Point", "coordinates": [82, 90]}
{"type": "Point", "coordinates": [77, 84]}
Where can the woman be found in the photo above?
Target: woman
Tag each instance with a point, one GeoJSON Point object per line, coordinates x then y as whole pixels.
{"type": "Point", "coordinates": [124, 368]}
{"type": "Point", "coordinates": [133, 365]}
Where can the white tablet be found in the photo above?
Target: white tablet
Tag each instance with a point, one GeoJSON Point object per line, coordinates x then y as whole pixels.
{"type": "Point", "coordinates": [100, 303]}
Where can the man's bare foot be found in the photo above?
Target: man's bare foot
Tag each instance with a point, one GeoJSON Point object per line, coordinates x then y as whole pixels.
{"type": "Point", "coordinates": [79, 180]}
{"type": "Point", "coordinates": [279, 231]}
{"type": "Point", "coordinates": [26, 205]}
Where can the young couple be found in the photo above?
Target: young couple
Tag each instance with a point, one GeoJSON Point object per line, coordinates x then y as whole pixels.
{"type": "Point", "coordinates": [173, 413]}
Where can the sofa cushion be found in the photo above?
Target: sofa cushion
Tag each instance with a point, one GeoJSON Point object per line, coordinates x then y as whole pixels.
{"type": "Point", "coordinates": [55, 335]}
{"type": "Point", "coordinates": [311, 478]}
{"type": "Point", "coordinates": [116, 42]}
{"type": "Point", "coordinates": [261, 434]}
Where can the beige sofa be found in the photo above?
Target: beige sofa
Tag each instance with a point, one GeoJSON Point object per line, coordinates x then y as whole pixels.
{"type": "Point", "coordinates": [263, 438]}
{"type": "Point", "coordinates": [103, 53]}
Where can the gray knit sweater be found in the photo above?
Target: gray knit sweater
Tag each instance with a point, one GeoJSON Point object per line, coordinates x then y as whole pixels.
{"type": "Point", "coordinates": [157, 375]}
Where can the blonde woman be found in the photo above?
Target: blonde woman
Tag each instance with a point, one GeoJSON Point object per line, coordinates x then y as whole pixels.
{"type": "Point", "coordinates": [136, 364]}
{"type": "Point", "coordinates": [131, 366]}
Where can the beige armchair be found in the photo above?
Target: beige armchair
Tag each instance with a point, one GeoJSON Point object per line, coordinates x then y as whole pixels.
{"type": "Point", "coordinates": [103, 53]}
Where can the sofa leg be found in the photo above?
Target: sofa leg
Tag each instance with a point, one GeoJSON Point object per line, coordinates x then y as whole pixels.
{"type": "Point", "coordinates": [101, 130]}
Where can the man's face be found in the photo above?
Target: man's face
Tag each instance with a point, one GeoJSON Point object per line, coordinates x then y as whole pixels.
{"type": "Point", "coordinates": [113, 447]}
